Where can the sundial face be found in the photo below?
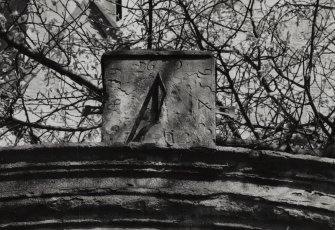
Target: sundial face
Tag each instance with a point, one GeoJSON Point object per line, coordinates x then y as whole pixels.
{"type": "Point", "coordinates": [159, 97]}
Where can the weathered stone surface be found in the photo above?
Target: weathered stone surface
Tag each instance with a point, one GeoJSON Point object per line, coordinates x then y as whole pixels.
{"type": "Point", "coordinates": [161, 97]}
{"type": "Point", "coordinates": [95, 186]}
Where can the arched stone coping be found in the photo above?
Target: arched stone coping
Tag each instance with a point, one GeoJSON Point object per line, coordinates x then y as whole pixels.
{"type": "Point", "coordinates": [87, 186]}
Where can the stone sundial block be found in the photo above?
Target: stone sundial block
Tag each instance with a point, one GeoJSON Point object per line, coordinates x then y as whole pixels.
{"type": "Point", "coordinates": [165, 98]}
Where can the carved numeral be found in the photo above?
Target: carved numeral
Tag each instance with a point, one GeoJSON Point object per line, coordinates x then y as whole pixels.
{"type": "Point", "coordinates": [169, 138]}
{"type": "Point", "coordinates": [114, 104]}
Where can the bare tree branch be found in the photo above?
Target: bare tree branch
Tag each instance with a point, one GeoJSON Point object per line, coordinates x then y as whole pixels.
{"type": "Point", "coordinates": [50, 127]}
{"type": "Point", "coordinates": [51, 64]}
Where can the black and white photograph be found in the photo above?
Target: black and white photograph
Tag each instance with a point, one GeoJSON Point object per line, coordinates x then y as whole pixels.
{"type": "Point", "coordinates": [174, 114]}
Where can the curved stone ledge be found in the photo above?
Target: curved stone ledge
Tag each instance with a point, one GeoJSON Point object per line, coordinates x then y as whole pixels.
{"type": "Point", "coordinates": [94, 185]}
{"type": "Point", "coordinates": [142, 54]}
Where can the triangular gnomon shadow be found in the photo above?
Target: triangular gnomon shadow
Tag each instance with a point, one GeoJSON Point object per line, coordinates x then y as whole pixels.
{"type": "Point", "coordinates": [156, 108]}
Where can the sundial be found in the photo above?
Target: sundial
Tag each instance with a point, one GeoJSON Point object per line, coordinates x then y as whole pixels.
{"type": "Point", "coordinates": [165, 98]}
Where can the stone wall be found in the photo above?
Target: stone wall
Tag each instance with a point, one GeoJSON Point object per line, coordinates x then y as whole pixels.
{"type": "Point", "coordinates": [95, 185]}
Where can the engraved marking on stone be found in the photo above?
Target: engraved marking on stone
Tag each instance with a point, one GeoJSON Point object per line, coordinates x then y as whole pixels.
{"type": "Point", "coordinates": [141, 81]}
{"type": "Point", "coordinates": [127, 121]}
{"type": "Point", "coordinates": [169, 138]}
{"type": "Point", "coordinates": [151, 65]}
{"type": "Point", "coordinates": [114, 129]}
{"type": "Point", "coordinates": [179, 64]}
{"type": "Point", "coordinates": [190, 75]}
{"type": "Point", "coordinates": [113, 83]}
{"type": "Point", "coordinates": [115, 73]}
{"type": "Point", "coordinates": [207, 70]}
{"type": "Point", "coordinates": [186, 137]}
{"type": "Point", "coordinates": [115, 78]}
{"type": "Point", "coordinates": [114, 104]}
{"type": "Point", "coordinates": [156, 90]}
{"type": "Point", "coordinates": [206, 86]}
{"type": "Point", "coordinates": [202, 104]}
{"type": "Point", "coordinates": [205, 129]}
{"type": "Point", "coordinates": [140, 66]}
